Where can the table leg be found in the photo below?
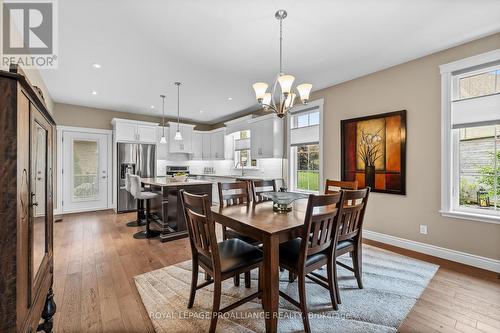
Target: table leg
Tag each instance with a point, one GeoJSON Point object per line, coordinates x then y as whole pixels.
{"type": "Point", "coordinates": [270, 297]}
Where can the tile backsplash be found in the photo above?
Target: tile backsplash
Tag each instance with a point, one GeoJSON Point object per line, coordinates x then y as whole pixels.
{"type": "Point", "coordinates": [267, 167]}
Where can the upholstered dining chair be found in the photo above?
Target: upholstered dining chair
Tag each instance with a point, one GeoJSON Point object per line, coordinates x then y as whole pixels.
{"type": "Point", "coordinates": [313, 250]}
{"type": "Point", "coordinates": [236, 193]}
{"type": "Point", "coordinates": [222, 260]}
{"type": "Point", "coordinates": [349, 238]}
{"type": "Point", "coordinates": [259, 186]}
{"type": "Point", "coordinates": [341, 185]}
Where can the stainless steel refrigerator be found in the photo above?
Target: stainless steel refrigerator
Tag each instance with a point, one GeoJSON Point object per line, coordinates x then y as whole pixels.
{"type": "Point", "coordinates": [138, 159]}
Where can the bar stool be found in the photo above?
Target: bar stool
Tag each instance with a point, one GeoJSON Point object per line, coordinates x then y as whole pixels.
{"type": "Point", "coordinates": [135, 190]}
{"type": "Point", "coordinates": [140, 206]}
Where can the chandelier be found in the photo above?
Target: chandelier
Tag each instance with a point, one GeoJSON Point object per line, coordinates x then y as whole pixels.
{"type": "Point", "coordinates": [281, 99]}
{"type": "Point", "coordinates": [178, 135]}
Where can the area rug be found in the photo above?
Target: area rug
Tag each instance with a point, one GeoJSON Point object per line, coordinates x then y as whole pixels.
{"type": "Point", "coordinates": [392, 285]}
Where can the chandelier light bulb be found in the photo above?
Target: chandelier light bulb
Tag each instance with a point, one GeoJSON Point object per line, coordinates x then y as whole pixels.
{"type": "Point", "coordinates": [266, 100]}
{"type": "Point", "coordinates": [286, 82]}
{"type": "Point", "coordinates": [260, 89]}
{"type": "Point", "coordinates": [290, 99]}
{"type": "Point", "coordinates": [304, 90]}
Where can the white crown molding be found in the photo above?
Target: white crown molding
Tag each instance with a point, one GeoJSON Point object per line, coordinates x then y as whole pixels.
{"type": "Point", "coordinates": [436, 251]}
{"type": "Point", "coordinates": [469, 62]}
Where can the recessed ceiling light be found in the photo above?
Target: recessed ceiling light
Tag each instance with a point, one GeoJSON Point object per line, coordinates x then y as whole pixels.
{"type": "Point", "coordinates": [152, 107]}
{"type": "Point", "coordinates": [229, 98]}
{"type": "Point", "coordinates": [201, 111]}
{"type": "Point", "coordinates": [94, 92]}
{"type": "Point", "coordinates": [96, 65]}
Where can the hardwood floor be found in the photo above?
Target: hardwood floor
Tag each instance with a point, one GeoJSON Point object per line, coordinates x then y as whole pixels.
{"type": "Point", "coordinates": [96, 259]}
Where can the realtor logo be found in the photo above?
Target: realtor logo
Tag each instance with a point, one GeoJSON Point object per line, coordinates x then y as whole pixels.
{"type": "Point", "coordinates": [29, 33]}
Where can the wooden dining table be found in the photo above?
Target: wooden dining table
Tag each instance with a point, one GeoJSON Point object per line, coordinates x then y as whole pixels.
{"type": "Point", "coordinates": [260, 222]}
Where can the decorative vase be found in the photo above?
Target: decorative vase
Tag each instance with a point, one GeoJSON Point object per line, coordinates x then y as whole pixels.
{"type": "Point", "coordinates": [370, 176]}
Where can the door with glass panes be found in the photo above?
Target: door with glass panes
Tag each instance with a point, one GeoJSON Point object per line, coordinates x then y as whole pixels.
{"type": "Point", "coordinates": [85, 171]}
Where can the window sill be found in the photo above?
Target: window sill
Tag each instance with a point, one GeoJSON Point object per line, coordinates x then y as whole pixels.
{"type": "Point", "coordinates": [471, 216]}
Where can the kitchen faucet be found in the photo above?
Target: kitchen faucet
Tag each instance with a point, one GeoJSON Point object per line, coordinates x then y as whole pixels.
{"type": "Point", "coordinates": [242, 168]}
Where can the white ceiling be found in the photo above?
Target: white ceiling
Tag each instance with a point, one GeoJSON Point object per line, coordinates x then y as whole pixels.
{"type": "Point", "coordinates": [219, 48]}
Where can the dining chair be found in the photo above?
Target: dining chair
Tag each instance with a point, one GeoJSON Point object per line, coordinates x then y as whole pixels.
{"type": "Point", "coordinates": [221, 260]}
{"type": "Point", "coordinates": [341, 185]}
{"type": "Point", "coordinates": [313, 250]}
{"type": "Point", "coordinates": [239, 194]}
{"type": "Point", "coordinates": [349, 238]}
{"type": "Point", "coordinates": [259, 186]}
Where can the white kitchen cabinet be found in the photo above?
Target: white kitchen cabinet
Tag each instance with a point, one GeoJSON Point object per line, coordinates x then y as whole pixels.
{"type": "Point", "coordinates": [161, 148]}
{"type": "Point", "coordinates": [134, 131]}
{"type": "Point", "coordinates": [217, 145]}
{"type": "Point", "coordinates": [206, 153]}
{"type": "Point", "coordinates": [197, 144]}
{"type": "Point", "coordinates": [184, 145]}
{"type": "Point", "coordinates": [146, 133]}
{"type": "Point", "coordinates": [266, 137]}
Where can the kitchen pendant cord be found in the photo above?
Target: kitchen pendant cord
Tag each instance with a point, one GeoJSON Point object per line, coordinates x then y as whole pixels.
{"type": "Point", "coordinates": [178, 103]}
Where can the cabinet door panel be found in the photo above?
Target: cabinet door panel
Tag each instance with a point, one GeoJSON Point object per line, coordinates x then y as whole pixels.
{"type": "Point", "coordinates": [126, 131]}
{"type": "Point", "coordinates": [197, 144]}
{"type": "Point", "coordinates": [207, 137]}
{"type": "Point", "coordinates": [217, 145]}
{"type": "Point", "coordinates": [146, 134]}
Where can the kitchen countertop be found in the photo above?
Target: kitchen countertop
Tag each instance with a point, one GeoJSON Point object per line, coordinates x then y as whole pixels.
{"type": "Point", "coordinates": [235, 176]}
{"type": "Point", "coordinates": [163, 182]}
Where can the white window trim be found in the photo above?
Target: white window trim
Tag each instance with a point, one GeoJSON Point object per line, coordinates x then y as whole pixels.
{"type": "Point", "coordinates": [447, 151]}
{"type": "Point", "coordinates": [316, 103]}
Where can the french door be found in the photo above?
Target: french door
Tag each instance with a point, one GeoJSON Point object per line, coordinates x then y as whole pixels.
{"type": "Point", "coordinates": [85, 171]}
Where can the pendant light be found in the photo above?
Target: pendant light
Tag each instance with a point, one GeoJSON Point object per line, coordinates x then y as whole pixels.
{"type": "Point", "coordinates": [283, 100]}
{"type": "Point", "coordinates": [163, 138]}
{"type": "Point", "coordinates": [178, 135]}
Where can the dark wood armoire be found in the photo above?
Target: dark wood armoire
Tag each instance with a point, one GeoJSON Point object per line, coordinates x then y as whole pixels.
{"type": "Point", "coordinates": [27, 133]}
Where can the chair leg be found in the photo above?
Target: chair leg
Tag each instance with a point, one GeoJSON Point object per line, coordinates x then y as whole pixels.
{"type": "Point", "coordinates": [291, 276]}
{"type": "Point", "coordinates": [335, 279]}
{"type": "Point", "coordinates": [236, 280]}
{"type": "Point", "coordinates": [303, 302]}
{"type": "Point", "coordinates": [194, 283]}
{"type": "Point", "coordinates": [259, 284]}
{"type": "Point", "coordinates": [332, 276]}
{"type": "Point", "coordinates": [215, 306]}
{"type": "Point", "coordinates": [357, 265]}
{"type": "Point", "coordinates": [248, 281]}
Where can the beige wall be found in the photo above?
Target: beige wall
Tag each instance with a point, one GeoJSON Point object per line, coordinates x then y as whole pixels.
{"type": "Point", "coordinates": [81, 116]}
{"type": "Point", "coordinates": [414, 86]}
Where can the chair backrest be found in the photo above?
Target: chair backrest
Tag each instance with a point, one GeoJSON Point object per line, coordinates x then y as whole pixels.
{"type": "Point", "coordinates": [259, 186]}
{"type": "Point", "coordinates": [201, 226]}
{"type": "Point", "coordinates": [352, 213]}
{"type": "Point", "coordinates": [240, 193]}
{"type": "Point", "coordinates": [320, 220]}
{"type": "Point", "coordinates": [135, 185]}
{"type": "Point", "coordinates": [127, 182]}
{"type": "Point", "coordinates": [342, 185]}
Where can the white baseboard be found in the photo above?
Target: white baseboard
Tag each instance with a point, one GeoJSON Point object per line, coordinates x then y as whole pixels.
{"type": "Point", "coordinates": [436, 251]}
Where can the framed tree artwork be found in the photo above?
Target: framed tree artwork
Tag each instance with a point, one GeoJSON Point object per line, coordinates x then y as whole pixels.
{"type": "Point", "coordinates": [374, 151]}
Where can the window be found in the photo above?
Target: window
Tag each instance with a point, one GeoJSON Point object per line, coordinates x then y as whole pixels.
{"type": "Point", "coordinates": [307, 171]}
{"type": "Point", "coordinates": [471, 138]}
{"type": "Point", "coordinates": [478, 165]}
{"type": "Point", "coordinates": [306, 119]}
{"type": "Point", "coordinates": [304, 148]}
{"type": "Point", "coordinates": [242, 156]}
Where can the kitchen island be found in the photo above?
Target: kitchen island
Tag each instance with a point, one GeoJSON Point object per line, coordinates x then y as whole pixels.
{"type": "Point", "coordinates": [166, 210]}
